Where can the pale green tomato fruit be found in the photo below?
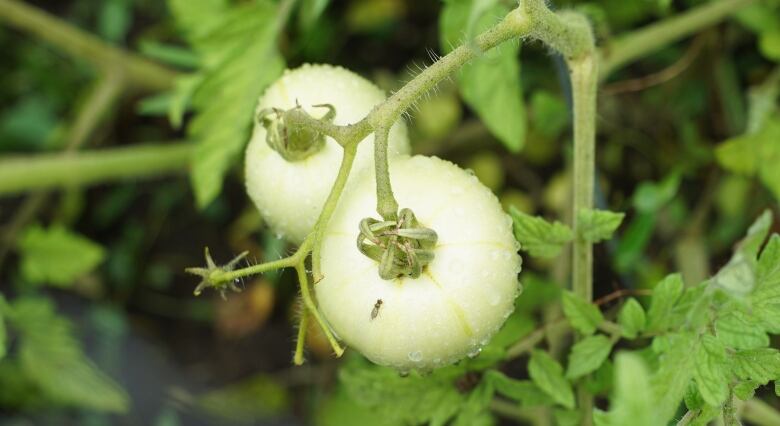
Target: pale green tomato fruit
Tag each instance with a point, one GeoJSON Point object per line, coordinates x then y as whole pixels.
{"type": "Point", "coordinates": [462, 297]}
{"type": "Point", "coordinates": [290, 194]}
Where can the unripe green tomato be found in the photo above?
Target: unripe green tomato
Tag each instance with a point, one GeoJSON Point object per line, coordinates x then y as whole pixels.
{"type": "Point", "coordinates": [487, 166]}
{"type": "Point", "coordinates": [290, 194]}
{"type": "Point", "coordinates": [462, 297]}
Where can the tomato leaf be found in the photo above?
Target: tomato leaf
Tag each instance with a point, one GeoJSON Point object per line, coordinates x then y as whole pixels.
{"type": "Point", "coordinates": [239, 58]}
{"type": "Point", "coordinates": [52, 358]}
{"type": "Point", "coordinates": [587, 355]}
{"type": "Point", "coordinates": [633, 401]}
{"type": "Point", "coordinates": [583, 316]}
{"type": "Point", "coordinates": [547, 373]}
{"type": "Point", "coordinates": [523, 391]}
{"type": "Point", "coordinates": [57, 255]}
{"type": "Point", "coordinates": [711, 371]}
{"type": "Point", "coordinates": [490, 84]}
{"type": "Point", "coordinates": [416, 399]}
{"type": "Point", "coordinates": [598, 225]}
{"type": "Point", "coordinates": [665, 295]}
{"type": "Point", "coordinates": [760, 365]}
{"type": "Point", "coordinates": [537, 236]}
{"type": "Point", "coordinates": [631, 318]}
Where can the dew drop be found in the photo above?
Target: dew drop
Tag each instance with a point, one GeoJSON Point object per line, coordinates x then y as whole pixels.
{"type": "Point", "coordinates": [415, 356]}
{"type": "Point", "coordinates": [474, 352]}
{"type": "Point", "coordinates": [495, 298]}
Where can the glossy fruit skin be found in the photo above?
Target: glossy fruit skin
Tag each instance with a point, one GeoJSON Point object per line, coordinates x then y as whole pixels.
{"type": "Point", "coordinates": [463, 296]}
{"type": "Point", "coordinates": [290, 195]}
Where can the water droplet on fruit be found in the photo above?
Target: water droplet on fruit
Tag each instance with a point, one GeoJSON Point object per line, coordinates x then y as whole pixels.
{"type": "Point", "coordinates": [474, 352]}
{"type": "Point", "coordinates": [415, 356]}
{"type": "Point", "coordinates": [495, 298]}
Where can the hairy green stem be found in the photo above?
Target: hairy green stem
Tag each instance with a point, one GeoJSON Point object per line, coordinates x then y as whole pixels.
{"type": "Point", "coordinates": [50, 171]}
{"type": "Point", "coordinates": [386, 205]}
{"type": "Point", "coordinates": [347, 160]}
{"type": "Point", "coordinates": [637, 44]}
{"type": "Point", "coordinates": [285, 262]}
{"type": "Point", "coordinates": [308, 300]}
{"type": "Point", "coordinates": [516, 24]}
{"type": "Point", "coordinates": [139, 71]}
{"type": "Point", "coordinates": [584, 83]}
{"type": "Point", "coordinates": [300, 341]}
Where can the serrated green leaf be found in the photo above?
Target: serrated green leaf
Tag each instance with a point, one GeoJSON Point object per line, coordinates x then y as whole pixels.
{"type": "Point", "coordinates": [598, 225]}
{"type": "Point", "coordinates": [765, 298]}
{"type": "Point", "coordinates": [537, 236]}
{"type": "Point", "coordinates": [631, 318]}
{"type": "Point", "coordinates": [416, 399]}
{"type": "Point", "coordinates": [587, 355]}
{"type": "Point", "coordinates": [53, 359]}
{"type": "Point", "coordinates": [56, 255]}
{"type": "Point", "coordinates": [760, 365]}
{"type": "Point", "coordinates": [740, 330]}
{"type": "Point", "coordinates": [489, 84]}
{"type": "Point", "coordinates": [237, 47]}
{"type": "Point", "coordinates": [711, 373]}
{"type": "Point", "coordinates": [673, 375]}
{"type": "Point", "coordinates": [746, 390]}
{"type": "Point", "coordinates": [523, 391]}
{"type": "Point", "coordinates": [665, 295]}
{"type": "Point", "coordinates": [633, 401]}
{"type": "Point", "coordinates": [583, 316]}
{"type": "Point", "coordinates": [768, 271]}
{"type": "Point", "coordinates": [547, 373]}
{"type": "Point", "coordinates": [258, 397]}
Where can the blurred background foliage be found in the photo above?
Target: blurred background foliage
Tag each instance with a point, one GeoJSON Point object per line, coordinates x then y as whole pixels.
{"type": "Point", "coordinates": [99, 325]}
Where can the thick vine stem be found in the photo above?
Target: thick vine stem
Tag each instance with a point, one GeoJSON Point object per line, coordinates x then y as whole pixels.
{"type": "Point", "coordinates": [55, 170]}
{"type": "Point", "coordinates": [584, 75]}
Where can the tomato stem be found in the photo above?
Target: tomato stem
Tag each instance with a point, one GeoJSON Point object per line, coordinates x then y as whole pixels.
{"type": "Point", "coordinates": [386, 205]}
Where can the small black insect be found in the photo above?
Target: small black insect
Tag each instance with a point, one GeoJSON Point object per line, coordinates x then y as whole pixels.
{"type": "Point", "coordinates": [375, 311]}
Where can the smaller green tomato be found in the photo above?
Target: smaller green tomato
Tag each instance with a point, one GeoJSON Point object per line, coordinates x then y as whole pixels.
{"type": "Point", "coordinates": [289, 190]}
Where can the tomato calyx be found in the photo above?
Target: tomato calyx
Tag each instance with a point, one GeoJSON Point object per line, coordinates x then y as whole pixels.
{"type": "Point", "coordinates": [403, 247]}
{"type": "Point", "coordinates": [293, 143]}
{"type": "Point", "coordinates": [213, 275]}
